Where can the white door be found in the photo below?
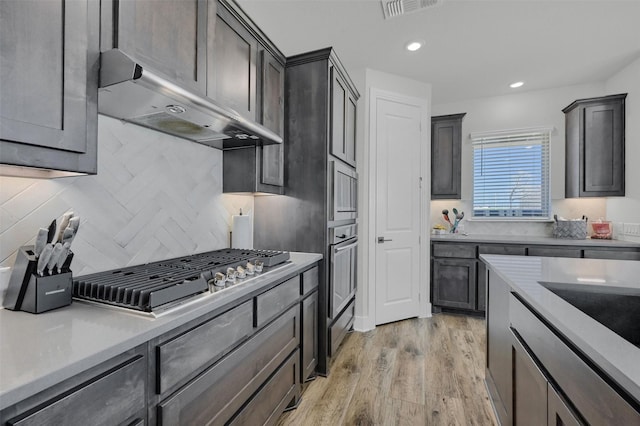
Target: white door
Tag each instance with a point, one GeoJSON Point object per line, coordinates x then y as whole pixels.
{"type": "Point", "coordinates": [398, 210]}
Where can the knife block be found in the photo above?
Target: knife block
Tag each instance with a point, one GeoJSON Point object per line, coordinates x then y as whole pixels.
{"type": "Point", "coordinates": [30, 292]}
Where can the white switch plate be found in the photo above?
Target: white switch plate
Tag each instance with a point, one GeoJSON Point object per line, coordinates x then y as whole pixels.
{"type": "Point", "coordinates": [631, 229]}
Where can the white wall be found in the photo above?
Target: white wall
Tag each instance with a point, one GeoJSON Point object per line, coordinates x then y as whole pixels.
{"type": "Point", "coordinates": [365, 301]}
{"type": "Point", "coordinates": [627, 209]}
{"type": "Point", "coordinates": [154, 197]}
{"type": "Point", "coordinates": [519, 110]}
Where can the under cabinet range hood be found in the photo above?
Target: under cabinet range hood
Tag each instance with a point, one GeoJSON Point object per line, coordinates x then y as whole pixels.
{"type": "Point", "coordinates": [133, 93]}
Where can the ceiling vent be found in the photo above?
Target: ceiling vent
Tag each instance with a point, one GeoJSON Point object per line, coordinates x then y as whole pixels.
{"type": "Point", "coordinates": [394, 8]}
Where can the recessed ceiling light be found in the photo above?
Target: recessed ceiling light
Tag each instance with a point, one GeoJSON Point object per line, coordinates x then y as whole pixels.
{"type": "Point", "coordinates": [414, 45]}
{"type": "Point", "coordinates": [516, 84]}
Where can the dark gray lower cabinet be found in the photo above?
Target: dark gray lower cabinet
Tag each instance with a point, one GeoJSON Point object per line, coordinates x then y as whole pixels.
{"type": "Point", "coordinates": [218, 393]}
{"type": "Point", "coordinates": [340, 328]}
{"type": "Point", "coordinates": [309, 344]}
{"type": "Point", "coordinates": [454, 283]}
{"type": "Point", "coordinates": [458, 276]}
{"type": "Point", "coordinates": [534, 377]}
{"type": "Point", "coordinates": [499, 343]}
{"type": "Point", "coordinates": [112, 393]}
{"type": "Point", "coordinates": [529, 388]}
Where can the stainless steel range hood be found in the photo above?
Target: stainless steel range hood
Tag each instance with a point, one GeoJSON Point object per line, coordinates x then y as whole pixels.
{"type": "Point", "coordinates": [130, 92]}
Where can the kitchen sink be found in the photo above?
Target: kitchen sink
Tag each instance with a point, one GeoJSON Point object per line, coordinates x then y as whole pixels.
{"type": "Point", "coordinates": [617, 308]}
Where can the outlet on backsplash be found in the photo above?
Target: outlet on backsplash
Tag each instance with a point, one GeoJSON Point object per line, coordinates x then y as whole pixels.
{"type": "Point", "coordinates": [632, 229]}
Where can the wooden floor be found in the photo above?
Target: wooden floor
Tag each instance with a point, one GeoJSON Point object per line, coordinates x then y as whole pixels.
{"type": "Point", "coordinates": [426, 371]}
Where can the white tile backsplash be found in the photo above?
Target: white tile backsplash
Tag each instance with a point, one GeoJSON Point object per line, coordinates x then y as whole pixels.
{"type": "Point", "coordinates": [154, 197]}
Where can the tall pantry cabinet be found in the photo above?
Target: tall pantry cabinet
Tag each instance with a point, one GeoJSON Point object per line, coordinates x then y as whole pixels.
{"type": "Point", "coordinates": [320, 153]}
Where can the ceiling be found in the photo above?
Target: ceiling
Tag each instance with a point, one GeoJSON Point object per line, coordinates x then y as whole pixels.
{"type": "Point", "coordinates": [473, 48]}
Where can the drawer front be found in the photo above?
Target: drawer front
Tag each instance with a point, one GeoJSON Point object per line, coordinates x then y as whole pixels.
{"type": "Point", "coordinates": [339, 329]}
{"type": "Point", "coordinates": [598, 403]}
{"type": "Point", "coordinates": [516, 250]}
{"type": "Point", "coordinates": [464, 251]}
{"type": "Point", "coordinates": [190, 352]}
{"type": "Point", "coordinates": [271, 303]}
{"type": "Point", "coordinates": [555, 252]}
{"type": "Point", "coordinates": [217, 394]}
{"type": "Point", "coordinates": [112, 399]}
{"type": "Point", "coordinates": [310, 280]}
{"type": "Point", "coordinates": [612, 254]}
{"type": "Point", "coordinates": [268, 404]}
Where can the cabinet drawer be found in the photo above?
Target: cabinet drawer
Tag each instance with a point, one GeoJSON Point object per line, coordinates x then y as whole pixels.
{"type": "Point", "coordinates": [219, 392]}
{"type": "Point", "coordinates": [598, 403]}
{"type": "Point", "coordinates": [339, 329]}
{"type": "Point", "coordinates": [555, 252]}
{"type": "Point", "coordinates": [267, 405]}
{"type": "Point", "coordinates": [188, 353]}
{"type": "Point", "coordinates": [114, 398]}
{"type": "Point", "coordinates": [464, 251]}
{"type": "Point", "coordinates": [612, 254]}
{"type": "Point", "coordinates": [309, 280]}
{"type": "Point", "coordinates": [517, 250]}
{"type": "Point", "coordinates": [271, 303]}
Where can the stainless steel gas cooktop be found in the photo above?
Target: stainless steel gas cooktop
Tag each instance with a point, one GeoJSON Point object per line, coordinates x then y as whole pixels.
{"type": "Point", "coordinates": [159, 286]}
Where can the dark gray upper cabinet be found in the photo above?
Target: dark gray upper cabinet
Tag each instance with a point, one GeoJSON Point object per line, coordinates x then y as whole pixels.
{"type": "Point", "coordinates": [232, 62]}
{"type": "Point", "coordinates": [343, 120]}
{"type": "Point", "coordinates": [235, 66]}
{"type": "Point", "coordinates": [169, 36]}
{"type": "Point", "coordinates": [49, 85]}
{"type": "Point", "coordinates": [446, 154]}
{"type": "Point", "coordinates": [272, 111]}
{"type": "Point", "coordinates": [595, 133]}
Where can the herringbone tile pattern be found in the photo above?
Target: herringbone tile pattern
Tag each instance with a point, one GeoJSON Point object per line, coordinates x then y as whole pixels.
{"type": "Point", "coordinates": [154, 197]}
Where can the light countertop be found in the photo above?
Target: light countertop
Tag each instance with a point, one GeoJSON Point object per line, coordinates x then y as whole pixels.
{"type": "Point", "coordinates": [38, 351]}
{"type": "Point", "coordinates": [533, 240]}
{"type": "Point", "coordinates": [618, 358]}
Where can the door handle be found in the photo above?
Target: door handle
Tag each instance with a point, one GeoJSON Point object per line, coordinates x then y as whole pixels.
{"type": "Point", "coordinates": [382, 240]}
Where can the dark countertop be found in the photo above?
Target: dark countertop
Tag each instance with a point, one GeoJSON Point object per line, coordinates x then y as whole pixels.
{"type": "Point", "coordinates": [38, 351]}
{"type": "Point", "coordinates": [533, 240]}
{"type": "Point", "coordinates": [615, 356]}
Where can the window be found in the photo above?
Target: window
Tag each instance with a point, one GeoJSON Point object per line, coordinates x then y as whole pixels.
{"type": "Point", "coordinates": [511, 174]}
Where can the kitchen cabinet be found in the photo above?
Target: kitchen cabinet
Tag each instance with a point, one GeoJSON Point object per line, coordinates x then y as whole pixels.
{"type": "Point", "coordinates": [260, 169]}
{"type": "Point", "coordinates": [343, 120]}
{"type": "Point", "coordinates": [255, 169]}
{"type": "Point", "coordinates": [49, 86]}
{"type": "Point", "coordinates": [454, 283]}
{"type": "Point", "coordinates": [499, 362]}
{"type": "Point", "coordinates": [309, 320]}
{"type": "Point", "coordinates": [446, 156]}
{"type": "Point", "coordinates": [593, 398]}
{"type": "Point", "coordinates": [458, 276]}
{"type": "Point", "coordinates": [168, 36]}
{"type": "Point", "coordinates": [309, 344]}
{"type": "Point", "coordinates": [272, 111]}
{"type": "Point", "coordinates": [222, 390]}
{"type": "Point", "coordinates": [317, 93]}
{"type": "Point", "coordinates": [232, 59]}
{"type": "Point", "coordinates": [595, 147]}
{"type": "Point", "coordinates": [111, 393]}
{"type": "Point", "coordinates": [529, 388]}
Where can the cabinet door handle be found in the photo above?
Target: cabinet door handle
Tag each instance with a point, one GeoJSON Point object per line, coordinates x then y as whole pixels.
{"type": "Point", "coordinates": [383, 240]}
{"type": "Point", "coordinates": [347, 247]}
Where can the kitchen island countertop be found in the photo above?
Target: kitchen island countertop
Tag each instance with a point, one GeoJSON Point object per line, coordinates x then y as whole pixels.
{"type": "Point", "coordinates": [533, 240]}
{"type": "Point", "coordinates": [615, 356]}
{"type": "Point", "coordinates": [38, 351]}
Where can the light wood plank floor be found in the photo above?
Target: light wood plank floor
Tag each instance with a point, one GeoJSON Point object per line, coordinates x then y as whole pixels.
{"type": "Point", "coordinates": [427, 371]}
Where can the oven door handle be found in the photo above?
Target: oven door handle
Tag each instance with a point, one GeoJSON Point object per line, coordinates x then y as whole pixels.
{"type": "Point", "coordinates": [347, 247]}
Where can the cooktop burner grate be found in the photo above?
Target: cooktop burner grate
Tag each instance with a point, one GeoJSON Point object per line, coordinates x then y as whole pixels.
{"type": "Point", "coordinates": [149, 286]}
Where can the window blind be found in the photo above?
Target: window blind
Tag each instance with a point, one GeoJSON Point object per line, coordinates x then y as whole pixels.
{"type": "Point", "coordinates": [511, 174]}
